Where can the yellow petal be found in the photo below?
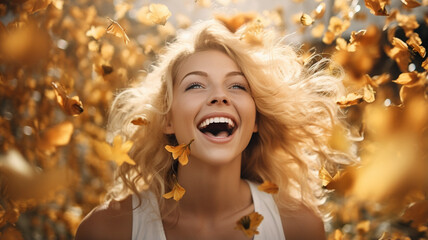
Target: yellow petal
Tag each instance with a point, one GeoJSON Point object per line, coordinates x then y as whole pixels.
{"type": "Point", "coordinates": [234, 22]}
{"type": "Point", "coordinates": [181, 152]}
{"type": "Point", "coordinates": [159, 13]}
{"type": "Point", "coordinates": [377, 7]}
{"type": "Point", "coordinates": [183, 158]}
{"type": "Point", "coordinates": [176, 193]}
{"type": "Point", "coordinates": [306, 20]}
{"type": "Point", "coordinates": [268, 187]}
{"type": "Point", "coordinates": [140, 121]}
{"type": "Point", "coordinates": [350, 99]}
{"type": "Point", "coordinates": [248, 224]}
{"type": "Point", "coordinates": [72, 106]}
{"type": "Point", "coordinates": [117, 30]}
{"type": "Point", "coordinates": [369, 94]}
{"type": "Point", "coordinates": [411, 3]}
{"type": "Point", "coordinates": [325, 176]}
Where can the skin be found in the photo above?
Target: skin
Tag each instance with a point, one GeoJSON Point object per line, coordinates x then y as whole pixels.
{"type": "Point", "coordinates": [208, 84]}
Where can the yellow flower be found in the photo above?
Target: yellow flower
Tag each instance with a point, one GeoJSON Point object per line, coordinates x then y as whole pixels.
{"type": "Point", "coordinates": [268, 187]}
{"type": "Point", "coordinates": [181, 152]}
{"type": "Point", "coordinates": [249, 223]}
{"type": "Point", "coordinates": [118, 152]}
{"type": "Point", "coordinates": [177, 192]}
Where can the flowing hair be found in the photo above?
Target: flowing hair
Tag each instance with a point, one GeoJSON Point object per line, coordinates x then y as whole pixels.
{"type": "Point", "coordinates": [296, 111]}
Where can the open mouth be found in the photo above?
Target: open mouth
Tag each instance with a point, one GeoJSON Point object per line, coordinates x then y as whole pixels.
{"type": "Point", "coordinates": [217, 126]}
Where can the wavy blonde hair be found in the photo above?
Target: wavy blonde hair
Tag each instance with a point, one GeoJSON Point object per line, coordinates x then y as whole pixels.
{"type": "Point", "coordinates": [295, 105]}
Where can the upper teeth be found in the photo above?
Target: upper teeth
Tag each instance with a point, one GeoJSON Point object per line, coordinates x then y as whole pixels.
{"type": "Point", "coordinates": [207, 121]}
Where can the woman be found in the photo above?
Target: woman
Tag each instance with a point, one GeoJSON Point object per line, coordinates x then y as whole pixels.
{"type": "Point", "coordinates": [247, 114]}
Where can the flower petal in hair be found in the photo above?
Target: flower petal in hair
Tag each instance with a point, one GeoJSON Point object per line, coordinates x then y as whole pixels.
{"type": "Point", "coordinates": [181, 152]}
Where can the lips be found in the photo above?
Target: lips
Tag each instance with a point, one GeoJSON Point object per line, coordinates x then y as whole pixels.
{"type": "Point", "coordinates": [217, 126]}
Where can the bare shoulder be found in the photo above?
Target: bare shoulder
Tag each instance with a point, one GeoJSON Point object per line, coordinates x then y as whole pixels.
{"type": "Point", "coordinates": [112, 220]}
{"type": "Point", "coordinates": [303, 224]}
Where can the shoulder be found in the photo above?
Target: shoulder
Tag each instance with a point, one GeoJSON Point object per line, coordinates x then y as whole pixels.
{"type": "Point", "coordinates": [302, 224]}
{"type": "Point", "coordinates": [112, 220]}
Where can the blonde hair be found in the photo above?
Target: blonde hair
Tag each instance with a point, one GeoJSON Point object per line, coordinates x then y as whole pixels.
{"type": "Point", "coordinates": [296, 111]}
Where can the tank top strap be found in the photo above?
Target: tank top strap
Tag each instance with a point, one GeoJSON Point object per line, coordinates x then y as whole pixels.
{"type": "Point", "coordinates": [271, 226]}
{"type": "Point", "coordinates": [146, 218]}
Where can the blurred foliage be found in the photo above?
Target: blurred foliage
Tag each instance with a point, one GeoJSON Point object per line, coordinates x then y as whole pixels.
{"type": "Point", "coordinates": [61, 62]}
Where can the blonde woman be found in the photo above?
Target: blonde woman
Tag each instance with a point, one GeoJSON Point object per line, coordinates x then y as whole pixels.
{"type": "Point", "coordinates": [244, 115]}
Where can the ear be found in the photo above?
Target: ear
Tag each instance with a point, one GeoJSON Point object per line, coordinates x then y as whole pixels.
{"type": "Point", "coordinates": [168, 128]}
{"type": "Point", "coordinates": [256, 129]}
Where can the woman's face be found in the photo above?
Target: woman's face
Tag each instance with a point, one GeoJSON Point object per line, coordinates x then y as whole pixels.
{"type": "Point", "coordinates": [212, 104]}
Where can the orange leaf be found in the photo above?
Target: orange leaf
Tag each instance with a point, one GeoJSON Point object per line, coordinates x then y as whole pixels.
{"type": "Point", "coordinates": [249, 223]}
{"type": "Point", "coordinates": [350, 99]}
{"type": "Point", "coordinates": [411, 3]}
{"type": "Point", "coordinates": [181, 152]}
{"type": "Point", "coordinates": [140, 121]}
{"type": "Point", "coordinates": [118, 152]}
{"type": "Point", "coordinates": [417, 213]}
{"type": "Point", "coordinates": [377, 7]}
{"type": "Point", "coordinates": [235, 22]}
{"type": "Point", "coordinates": [58, 135]}
{"type": "Point", "coordinates": [176, 193]}
{"type": "Point", "coordinates": [72, 106]}
{"type": "Point", "coordinates": [410, 78]}
{"type": "Point", "coordinates": [117, 30]}
{"type": "Point", "coordinates": [268, 187]}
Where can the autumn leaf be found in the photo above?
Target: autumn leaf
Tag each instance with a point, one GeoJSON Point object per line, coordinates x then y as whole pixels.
{"type": "Point", "coordinates": [410, 78]}
{"type": "Point", "coordinates": [58, 135]}
{"type": "Point", "coordinates": [416, 43]}
{"type": "Point", "coordinates": [399, 53]}
{"type": "Point", "coordinates": [318, 30]}
{"type": "Point", "coordinates": [253, 32]}
{"type": "Point", "coordinates": [341, 182]}
{"type": "Point", "coordinates": [417, 213]}
{"type": "Point", "coordinates": [117, 30]}
{"type": "Point", "coordinates": [411, 3]}
{"type": "Point", "coordinates": [319, 11]}
{"type": "Point", "coordinates": [350, 100]}
{"type": "Point", "coordinates": [369, 94]}
{"type": "Point", "coordinates": [337, 25]}
{"type": "Point", "coordinates": [181, 152]}
{"type": "Point", "coordinates": [234, 22]}
{"type": "Point", "coordinates": [268, 187]}
{"type": "Point", "coordinates": [158, 13]}
{"type": "Point", "coordinates": [249, 223]}
{"type": "Point", "coordinates": [96, 32]}
{"type": "Point", "coordinates": [118, 152]}
{"type": "Point", "coordinates": [140, 121]}
{"type": "Point", "coordinates": [377, 7]}
{"type": "Point", "coordinates": [425, 64]}
{"type": "Point", "coordinates": [72, 106]}
{"type": "Point", "coordinates": [338, 139]}
{"type": "Point", "coordinates": [306, 20]}
{"type": "Point", "coordinates": [176, 193]}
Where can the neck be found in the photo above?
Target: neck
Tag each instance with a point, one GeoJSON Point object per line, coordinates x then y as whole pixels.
{"type": "Point", "coordinates": [213, 190]}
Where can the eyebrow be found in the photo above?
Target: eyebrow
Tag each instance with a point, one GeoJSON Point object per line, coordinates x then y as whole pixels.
{"type": "Point", "coordinates": [204, 74]}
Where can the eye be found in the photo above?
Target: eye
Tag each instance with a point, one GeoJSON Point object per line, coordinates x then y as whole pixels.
{"type": "Point", "coordinates": [194, 85]}
{"type": "Point", "coordinates": [239, 86]}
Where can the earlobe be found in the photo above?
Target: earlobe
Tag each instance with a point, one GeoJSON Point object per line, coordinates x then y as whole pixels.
{"type": "Point", "coordinates": [255, 128]}
{"type": "Point", "coordinates": [168, 128]}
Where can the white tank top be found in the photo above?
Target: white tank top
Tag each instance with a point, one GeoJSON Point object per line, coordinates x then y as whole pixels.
{"type": "Point", "coordinates": [147, 223]}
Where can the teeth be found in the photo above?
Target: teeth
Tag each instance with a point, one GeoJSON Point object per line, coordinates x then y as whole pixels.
{"type": "Point", "coordinates": [208, 121]}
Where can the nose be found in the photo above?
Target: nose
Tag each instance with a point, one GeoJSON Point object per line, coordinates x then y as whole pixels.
{"type": "Point", "coordinates": [219, 97]}
{"type": "Point", "coordinates": [220, 100]}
